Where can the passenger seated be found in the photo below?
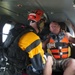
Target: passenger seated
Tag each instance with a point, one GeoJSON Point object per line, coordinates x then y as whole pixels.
{"type": "Point", "coordinates": [58, 45]}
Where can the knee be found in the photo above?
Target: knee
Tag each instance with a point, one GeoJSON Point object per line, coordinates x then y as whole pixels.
{"type": "Point", "coordinates": [71, 64]}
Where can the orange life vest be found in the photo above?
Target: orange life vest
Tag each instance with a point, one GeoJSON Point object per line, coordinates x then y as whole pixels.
{"type": "Point", "coordinates": [59, 50]}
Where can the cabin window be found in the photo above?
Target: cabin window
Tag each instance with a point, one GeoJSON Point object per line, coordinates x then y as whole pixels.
{"type": "Point", "coordinates": [73, 36]}
{"type": "Point", "coordinates": [74, 3]}
{"type": "Point", "coordinates": [6, 29]}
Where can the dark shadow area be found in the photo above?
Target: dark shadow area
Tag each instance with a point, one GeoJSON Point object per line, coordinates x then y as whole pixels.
{"type": "Point", "coordinates": [57, 73]}
{"type": "Point", "coordinates": [73, 52]}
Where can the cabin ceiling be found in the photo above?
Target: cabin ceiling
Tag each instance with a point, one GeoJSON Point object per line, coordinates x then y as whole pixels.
{"type": "Point", "coordinates": [58, 10]}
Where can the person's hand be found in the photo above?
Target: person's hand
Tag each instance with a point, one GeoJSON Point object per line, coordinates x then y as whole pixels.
{"type": "Point", "coordinates": [68, 35]}
{"type": "Point", "coordinates": [50, 60]}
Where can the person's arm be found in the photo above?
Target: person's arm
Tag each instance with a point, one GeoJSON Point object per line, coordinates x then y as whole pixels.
{"type": "Point", "coordinates": [34, 49]}
{"type": "Point", "coordinates": [70, 37]}
{"type": "Point", "coordinates": [70, 23]}
{"type": "Point", "coordinates": [48, 66]}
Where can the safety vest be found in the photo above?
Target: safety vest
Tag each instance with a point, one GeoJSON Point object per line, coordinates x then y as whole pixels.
{"type": "Point", "coordinates": [33, 46]}
{"type": "Point", "coordinates": [58, 46]}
